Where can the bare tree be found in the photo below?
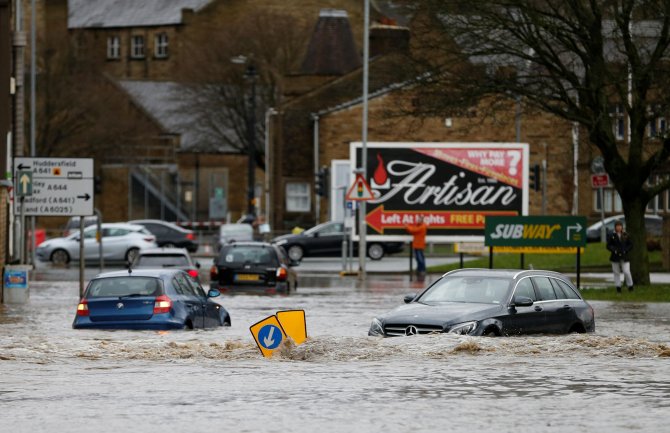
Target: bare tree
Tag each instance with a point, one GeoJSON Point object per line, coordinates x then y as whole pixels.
{"type": "Point", "coordinates": [219, 90]}
{"type": "Point", "coordinates": [576, 59]}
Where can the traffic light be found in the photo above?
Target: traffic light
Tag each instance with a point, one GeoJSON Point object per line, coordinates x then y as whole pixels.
{"type": "Point", "coordinates": [534, 177]}
{"type": "Point", "coordinates": [321, 182]}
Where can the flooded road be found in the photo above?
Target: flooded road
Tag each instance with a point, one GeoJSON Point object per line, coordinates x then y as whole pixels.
{"type": "Point", "coordinates": [56, 379]}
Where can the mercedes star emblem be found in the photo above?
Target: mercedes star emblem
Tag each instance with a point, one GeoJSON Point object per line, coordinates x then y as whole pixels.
{"type": "Point", "coordinates": [119, 305]}
{"type": "Point", "coordinates": [411, 330]}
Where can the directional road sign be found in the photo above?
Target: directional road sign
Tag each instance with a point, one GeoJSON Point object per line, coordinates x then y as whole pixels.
{"type": "Point", "coordinates": [294, 324]}
{"type": "Point", "coordinates": [54, 186]}
{"type": "Point", "coordinates": [268, 334]}
{"type": "Point", "coordinates": [535, 231]}
{"type": "Point", "coordinates": [24, 183]}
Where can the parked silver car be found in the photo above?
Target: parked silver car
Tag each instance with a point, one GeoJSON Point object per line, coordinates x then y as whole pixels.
{"type": "Point", "coordinates": [120, 242]}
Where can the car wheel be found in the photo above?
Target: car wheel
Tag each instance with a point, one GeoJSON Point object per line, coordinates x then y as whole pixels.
{"type": "Point", "coordinates": [60, 257]}
{"type": "Point", "coordinates": [295, 252]}
{"type": "Point", "coordinates": [132, 254]}
{"type": "Point", "coordinates": [490, 332]}
{"type": "Point", "coordinates": [375, 251]}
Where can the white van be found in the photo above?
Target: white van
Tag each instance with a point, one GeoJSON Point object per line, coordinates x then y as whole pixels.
{"type": "Point", "coordinates": [229, 233]}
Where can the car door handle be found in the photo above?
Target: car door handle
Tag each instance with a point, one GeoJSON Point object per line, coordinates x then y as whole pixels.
{"type": "Point", "coordinates": [567, 307]}
{"type": "Point", "coordinates": [538, 308]}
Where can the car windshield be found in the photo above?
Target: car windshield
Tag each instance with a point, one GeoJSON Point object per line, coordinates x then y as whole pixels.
{"type": "Point", "coordinates": [162, 260]}
{"type": "Point", "coordinates": [245, 254]}
{"type": "Point", "coordinates": [478, 289]}
{"type": "Point", "coordinates": [124, 286]}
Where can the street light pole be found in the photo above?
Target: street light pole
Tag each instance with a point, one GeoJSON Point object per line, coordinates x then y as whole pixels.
{"type": "Point", "coordinates": [268, 162]}
{"type": "Point", "coordinates": [251, 75]}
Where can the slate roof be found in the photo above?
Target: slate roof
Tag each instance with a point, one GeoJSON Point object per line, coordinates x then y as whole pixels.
{"type": "Point", "coordinates": [167, 103]}
{"type": "Point", "coordinates": [128, 13]}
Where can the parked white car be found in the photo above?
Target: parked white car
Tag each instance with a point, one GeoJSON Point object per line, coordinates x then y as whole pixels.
{"type": "Point", "coordinates": [120, 242]}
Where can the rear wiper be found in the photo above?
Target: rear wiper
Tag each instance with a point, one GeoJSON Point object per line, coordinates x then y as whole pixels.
{"type": "Point", "coordinates": [132, 295]}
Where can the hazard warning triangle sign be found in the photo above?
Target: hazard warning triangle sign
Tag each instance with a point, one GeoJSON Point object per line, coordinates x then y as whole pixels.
{"type": "Point", "coordinates": [360, 190]}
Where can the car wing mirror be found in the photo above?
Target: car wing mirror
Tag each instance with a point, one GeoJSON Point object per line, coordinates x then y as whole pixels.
{"type": "Point", "coordinates": [213, 293]}
{"type": "Point", "coordinates": [315, 234]}
{"type": "Point", "coordinates": [409, 298]}
{"type": "Point", "coordinates": [521, 301]}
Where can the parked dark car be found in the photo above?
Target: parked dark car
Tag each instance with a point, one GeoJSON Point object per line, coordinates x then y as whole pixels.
{"type": "Point", "coordinates": [175, 258]}
{"type": "Point", "coordinates": [653, 224]}
{"type": "Point", "coordinates": [326, 240]}
{"type": "Point", "coordinates": [253, 266]}
{"type": "Point", "coordinates": [148, 299]}
{"type": "Point", "coordinates": [170, 235]}
{"type": "Point", "coordinates": [490, 302]}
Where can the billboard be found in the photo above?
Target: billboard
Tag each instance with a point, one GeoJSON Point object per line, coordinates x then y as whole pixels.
{"type": "Point", "coordinates": [454, 186]}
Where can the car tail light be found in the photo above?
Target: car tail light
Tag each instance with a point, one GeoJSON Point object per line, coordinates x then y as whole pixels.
{"type": "Point", "coordinates": [282, 274]}
{"type": "Point", "coordinates": [190, 236]}
{"type": "Point", "coordinates": [193, 273]}
{"type": "Point", "coordinates": [162, 304]}
{"type": "Point", "coordinates": [213, 273]}
{"type": "Point", "coordinates": [82, 308]}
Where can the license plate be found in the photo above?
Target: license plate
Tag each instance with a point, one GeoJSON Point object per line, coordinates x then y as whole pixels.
{"type": "Point", "coordinates": [246, 277]}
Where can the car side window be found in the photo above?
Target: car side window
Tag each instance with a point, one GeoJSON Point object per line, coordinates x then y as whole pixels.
{"type": "Point", "coordinates": [557, 289]}
{"type": "Point", "coordinates": [184, 284]}
{"type": "Point", "coordinates": [544, 288]}
{"type": "Point", "coordinates": [283, 258]}
{"type": "Point", "coordinates": [569, 291]}
{"type": "Point", "coordinates": [178, 287]}
{"type": "Point", "coordinates": [525, 288]}
{"type": "Point", "coordinates": [197, 288]}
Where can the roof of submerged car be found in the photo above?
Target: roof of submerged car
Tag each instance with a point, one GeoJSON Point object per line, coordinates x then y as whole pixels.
{"type": "Point", "coordinates": [155, 273]}
{"type": "Point", "coordinates": [504, 273]}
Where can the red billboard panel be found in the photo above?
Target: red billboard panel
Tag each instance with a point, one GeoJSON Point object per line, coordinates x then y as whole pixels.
{"type": "Point", "coordinates": [454, 186]}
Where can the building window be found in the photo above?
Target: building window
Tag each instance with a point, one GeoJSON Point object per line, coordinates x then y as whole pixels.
{"type": "Point", "coordinates": [297, 197]}
{"type": "Point", "coordinates": [161, 46]}
{"type": "Point", "coordinates": [113, 47]}
{"type": "Point", "coordinates": [618, 122]}
{"type": "Point", "coordinates": [137, 47]}
{"type": "Point", "coordinates": [611, 199]}
{"type": "Point", "coordinates": [657, 127]}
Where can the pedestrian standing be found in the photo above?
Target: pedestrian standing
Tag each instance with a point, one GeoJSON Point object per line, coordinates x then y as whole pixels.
{"type": "Point", "coordinates": [418, 231]}
{"type": "Point", "coordinates": [620, 245]}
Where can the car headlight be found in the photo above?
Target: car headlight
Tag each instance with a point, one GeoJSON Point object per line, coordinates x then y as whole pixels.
{"type": "Point", "coordinates": [463, 328]}
{"type": "Point", "coordinates": [376, 328]}
{"type": "Point", "coordinates": [281, 242]}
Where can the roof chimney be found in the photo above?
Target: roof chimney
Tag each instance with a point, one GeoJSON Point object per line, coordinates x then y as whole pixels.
{"type": "Point", "coordinates": [387, 37]}
{"type": "Point", "coordinates": [331, 49]}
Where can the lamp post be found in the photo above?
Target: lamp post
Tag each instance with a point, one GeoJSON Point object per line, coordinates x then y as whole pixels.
{"type": "Point", "coordinates": [251, 74]}
{"type": "Point", "coordinates": [269, 112]}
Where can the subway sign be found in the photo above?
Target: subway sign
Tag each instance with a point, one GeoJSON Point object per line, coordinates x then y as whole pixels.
{"type": "Point", "coordinates": [455, 187]}
{"type": "Point", "coordinates": [535, 231]}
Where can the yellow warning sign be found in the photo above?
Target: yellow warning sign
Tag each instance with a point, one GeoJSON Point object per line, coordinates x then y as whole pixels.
{"type": "Point", "coordinates": [268, 334]}
{"type": "Point", "coordinates": [294, 325]}
{"type": "Point", "coordinates": [360, 190]}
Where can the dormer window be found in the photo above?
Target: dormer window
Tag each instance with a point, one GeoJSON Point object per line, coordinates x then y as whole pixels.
{"type": "Point", "coordinates": [161, 46]}
{"type": "Point", "coordinates": [137, 47]}
{"type": "Point", "coordinates": [113, 47]}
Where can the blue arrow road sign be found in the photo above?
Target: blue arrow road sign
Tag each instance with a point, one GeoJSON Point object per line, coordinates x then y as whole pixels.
{"type": "Point", "coordinates": [269, 336]}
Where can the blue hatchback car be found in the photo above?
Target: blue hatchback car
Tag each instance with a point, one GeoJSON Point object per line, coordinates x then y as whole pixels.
{"type": "Point", "coordinates": [148, 299]}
